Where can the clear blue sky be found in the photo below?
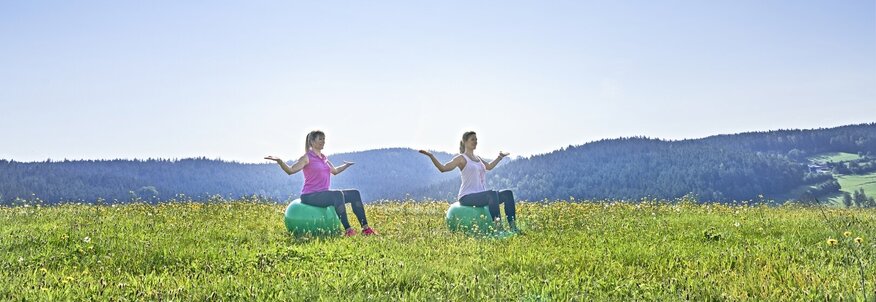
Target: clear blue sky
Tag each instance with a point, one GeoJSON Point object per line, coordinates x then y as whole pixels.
{"type": "Point", "coordinates": [239, 80]}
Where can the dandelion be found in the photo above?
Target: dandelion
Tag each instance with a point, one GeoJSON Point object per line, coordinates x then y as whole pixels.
{"type": "Point", "coordinates": [847, 234]}
{"type": "Point", "coordinates": [86, 239]}
{"type": "Point", "coordinates": [831, 241]}
{"type": "Point", "coordinates": [859, 240]}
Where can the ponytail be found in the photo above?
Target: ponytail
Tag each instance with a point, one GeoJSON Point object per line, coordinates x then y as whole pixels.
{"type": "Point", "coordinates": [307, 142]}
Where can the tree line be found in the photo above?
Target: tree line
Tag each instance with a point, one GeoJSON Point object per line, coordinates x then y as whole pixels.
{"type": "Point", "coordinates": [858, 199]}
{"type": "Point", "coordinates": [384, 173]}
{"type": "Point", "coordinates": [718, 168]}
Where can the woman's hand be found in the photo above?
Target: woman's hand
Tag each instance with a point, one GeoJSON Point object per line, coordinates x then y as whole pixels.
{"type": "Point", "coordinates": [492, 164]}
{"type": "Point", "coordinates": [337, 170]}
{"type": "Point", "coordinates": [290, 170]}
{"type": "Point", "coordinates": [452, 164]}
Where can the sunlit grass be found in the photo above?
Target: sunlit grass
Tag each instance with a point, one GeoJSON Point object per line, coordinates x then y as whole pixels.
{"type": "Point", "coordinates": [852, 183]}
{"type": "Point", "coordinates": [835, 157]}
{"type": "Point", "coordinates": [239, 250]}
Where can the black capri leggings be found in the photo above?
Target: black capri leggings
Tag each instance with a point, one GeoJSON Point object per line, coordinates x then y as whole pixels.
{"type": "Point", "coordinates": [338, 198]}
{"type": "Point", "coordinates": [492, 199]}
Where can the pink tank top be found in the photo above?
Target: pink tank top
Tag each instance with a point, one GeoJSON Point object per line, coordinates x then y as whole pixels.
{"type": "Point", "coordinates": [317, 174]}
{"type": "Point", "coordinates": [473, 177]}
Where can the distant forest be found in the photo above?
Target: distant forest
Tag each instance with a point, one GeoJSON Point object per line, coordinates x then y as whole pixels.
{"type": "Point", "coordinates": [384, 173]}
{"type": "Point", "coordinates": [718, 168]}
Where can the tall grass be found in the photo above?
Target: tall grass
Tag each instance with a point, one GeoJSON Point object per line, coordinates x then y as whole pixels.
{"type": "Point", "coordinates": [240, 250]}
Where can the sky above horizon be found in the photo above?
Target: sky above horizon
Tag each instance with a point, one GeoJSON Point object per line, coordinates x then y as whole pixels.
{"type": "Point", "coordinates": [238, 81]}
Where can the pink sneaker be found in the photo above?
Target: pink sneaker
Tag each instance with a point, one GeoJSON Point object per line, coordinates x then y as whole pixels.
{"type": "Point", "coordinates": [350, 232]}
{"type": "Point", "coordinates": [368, 232]}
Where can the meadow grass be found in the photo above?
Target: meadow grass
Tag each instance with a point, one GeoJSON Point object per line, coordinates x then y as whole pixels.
{"type": "Point", "coordinates": [240, 250]}
{"type": "Point", "coordinates": [851, 183]}
{"type": "Point", "coordinates": [834, 157]}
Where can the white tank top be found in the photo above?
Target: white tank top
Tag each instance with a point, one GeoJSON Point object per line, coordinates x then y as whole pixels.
{"type": "Point", "coordinates": [473, 177]}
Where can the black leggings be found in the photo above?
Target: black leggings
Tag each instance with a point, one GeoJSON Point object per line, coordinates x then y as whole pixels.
{"type": "Point", "coordinates": [338, 198]}
{"type": "Point", "coordinates": [492, 199]}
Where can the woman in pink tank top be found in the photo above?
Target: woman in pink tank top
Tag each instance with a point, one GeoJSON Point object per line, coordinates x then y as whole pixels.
{"type": "Point", "coordinates": [317, 179]}
{"type": "Point", "coordinates": [473, 169]}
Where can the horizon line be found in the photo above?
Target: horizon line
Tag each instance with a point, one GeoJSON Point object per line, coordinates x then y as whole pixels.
{"type": "Point", "coordinates": [176, 159]}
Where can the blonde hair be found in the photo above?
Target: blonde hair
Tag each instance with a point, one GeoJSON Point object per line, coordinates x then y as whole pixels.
{"type": "Point", "coordinates": [465, 137]}
{"type": "Point", "coordinates": [312, 136]}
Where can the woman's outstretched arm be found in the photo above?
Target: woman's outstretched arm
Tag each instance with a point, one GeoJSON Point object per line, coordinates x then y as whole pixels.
{"type": "Point", "coordinates": [492, 164]}
{"type": "Point", "coordinates": [297, 166]}
{"type": "Point", "coordinates": [452, 164]}
{"type": "Point", "coordinates": [339, 169]}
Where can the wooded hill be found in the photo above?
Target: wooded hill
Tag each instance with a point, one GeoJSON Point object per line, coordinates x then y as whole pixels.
{"type": "Point", "coordinates": [718, 168]}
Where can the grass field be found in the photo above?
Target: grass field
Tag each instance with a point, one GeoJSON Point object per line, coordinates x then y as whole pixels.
{"type": "Point", "coordinates": [239, 250]}
{"type": "Point", "coordinates": [850, 183]}
{"type": "Point", "coordinates": [834, 157]}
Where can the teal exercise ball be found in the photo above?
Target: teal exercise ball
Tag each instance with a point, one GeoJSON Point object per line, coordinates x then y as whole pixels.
{"type": "Point", "coordinates": [469, 219]}
{"type": "Point", "coordinates": [303, 219]}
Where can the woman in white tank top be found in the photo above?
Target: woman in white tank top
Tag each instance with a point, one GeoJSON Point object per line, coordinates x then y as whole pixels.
{"type": "Point", "coordinates": [473, 169]}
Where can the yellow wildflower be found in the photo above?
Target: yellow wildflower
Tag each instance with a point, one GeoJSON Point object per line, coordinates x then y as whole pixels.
{"type": "Point", "coordinates": [859, 240]}
{"type": "Point", "coordinates": [831, 241]}
{"type": "Point", "coordinates": [847, 234]}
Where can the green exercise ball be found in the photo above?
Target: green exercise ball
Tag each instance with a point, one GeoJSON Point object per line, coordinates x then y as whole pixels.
{"type": "Point", "coordinates": [469, 219]}
{"type": "Point", "coordinates": [303, 219]}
